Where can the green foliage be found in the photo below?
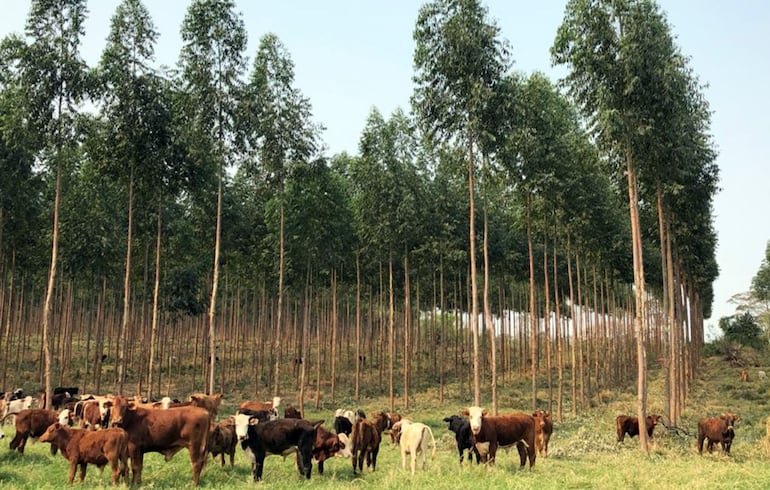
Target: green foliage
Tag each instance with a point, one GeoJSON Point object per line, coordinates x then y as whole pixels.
{"type": "Point", "coordinates": [743, 329]}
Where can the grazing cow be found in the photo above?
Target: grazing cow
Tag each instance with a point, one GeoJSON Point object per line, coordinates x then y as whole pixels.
{"type": "Point", "coordinates": [462, 429]}
{"type": "Point", "coordinates": [761, 375]}
{"type": "Point", "coordinates": [33, 422]}
{"type": "Point", "coordinates": [717, 429]}
{"type": "Point", "coordinates": [15, 406]}
{"type": "Point", "coordinates": [291, 413]}
{"type": "Point", "coordinates": [81, 447]}
{"type": "Point", "coordinates": [385, 421]}
{"type": "Point", "coordinates": [281, 436]}
{"type": "Point", "coordinates": [414, 441]}
{"type": "Point", "coordinates": [630, 425]}
{"type": "Point", "coordinates": [365, 444]}
{"type": "Point", "coordinates": [162, 431]}
{"type": "Point", "coordinates": [256, 406]}
{"type": "Point", "coordinates": [327, 445]}
{"type": "Point", "coordinates": [208, 402]}
{"type": "Point", "coordinates": [504, 431]}
{"type": "Point", "coordinates": [543, 431]}
{"type": "Point", "coordinates": [222, 440]}
{"type": "Point", "coordinates": [744, 375]}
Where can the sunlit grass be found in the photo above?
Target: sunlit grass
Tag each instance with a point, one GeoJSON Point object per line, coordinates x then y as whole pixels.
{"type": "Point", "coordinates": [583, 451]}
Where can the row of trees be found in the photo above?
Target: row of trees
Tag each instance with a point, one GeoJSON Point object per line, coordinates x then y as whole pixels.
{"type": "Point", "coordinates": [214, 159]}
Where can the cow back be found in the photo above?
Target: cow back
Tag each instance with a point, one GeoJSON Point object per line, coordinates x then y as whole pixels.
{"type": "Point", "coordinates": [158, 430]}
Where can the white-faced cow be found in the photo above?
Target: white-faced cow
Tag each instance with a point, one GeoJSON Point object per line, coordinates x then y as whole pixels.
{"type": "Point", "coordinates": [504, 431]}
{"type": "Point", "coordinates": [281, 436]}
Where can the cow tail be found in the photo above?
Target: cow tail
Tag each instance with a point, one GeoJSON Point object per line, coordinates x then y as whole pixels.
{"type": "Point", "coordinates": [433, 440]}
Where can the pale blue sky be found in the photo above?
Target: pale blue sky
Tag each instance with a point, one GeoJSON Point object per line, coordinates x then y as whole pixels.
{"type": "Point", "coordinates": [352, 55]}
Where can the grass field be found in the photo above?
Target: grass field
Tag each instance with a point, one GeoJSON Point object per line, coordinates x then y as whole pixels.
{"type": "Point", "coordinates": [583, 452]}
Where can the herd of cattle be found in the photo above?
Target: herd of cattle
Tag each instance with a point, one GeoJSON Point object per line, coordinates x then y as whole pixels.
{"type": "Point", "coordinates": [102, 430]}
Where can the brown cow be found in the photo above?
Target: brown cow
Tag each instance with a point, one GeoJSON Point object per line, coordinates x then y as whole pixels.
{"type": "Point", "coordinates": [291, 413]}
{"type": "Point", "coordinates": [744, 375]}
{"type": "Point", "coordinates": [365, 444]}
{"type": "Point", "coordinates": [210, 403]}
{"type": "Point", "coordinates": [717, 429]}
{"type": "Point", "coordinates": [92, 416]}
{"type": "Point", "coordinates": [630, 425]}
{"type": "Point", "coordinates": [543, 431]}
{"type": "Point", "coordinates": [385, 421]}
{"type": "Point", "coordinates": [163, 431]}
{"type": "Point", "coordinates": [259, 406]}
{"type": "Point", "coordinates": [81, 447]}
{"type": "Point", "coordinates": [222, 440]}
{"type": "Point", "coordinates": [327, 445]}
{"type": "Point", "coordinates": [504, 431]}
{"type": "Point", "coordinates": [33, 422]}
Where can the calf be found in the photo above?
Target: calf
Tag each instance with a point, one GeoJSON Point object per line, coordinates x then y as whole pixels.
{"type": "Point", "coordinates": [462, 430]}
{"type": "Point", "coordinates": [13, 407]}
{"type": "Point", "coordinates": [256, 406]}
{"type": "Point", "coordinates": [543, 431]}
{"type": "Point", "coordinates": [33, 422]}
{"type": "Point", "coordinates": [81, 447]}
{"type": "Point", "coordinates": [630, 425]}
{"type": "Point", "coordinates": [414, 441]}
{"type": "Point", "coordinates": [504, 431]}
{"type": "Point", "coordinates": [291, 413]}
{"type": "Point", "coordinates": [365, 444]}
{"type": "Point", "coordinates": [222, 440]}
{"type": "Point", "coordinates": [327, 445]}
{"type": "Point", "coordinates": [162, 431]}
{"type": "Point", "coordinates": [281, 436]}
{"type": "Point", "coordinates": [717, 429]}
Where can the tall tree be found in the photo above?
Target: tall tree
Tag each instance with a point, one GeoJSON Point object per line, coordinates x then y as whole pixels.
{"type": "Point", "coordinates": [212, 63]}
{"type": "Point", "coordinates": [459, 60]}
{"type": "Point", "coordinates": [53, 79]}
{"type": "Point", "coordinates": [617, 52]}
{"type": "Point", "coordinates": [281, 134]}
{"type": "Point", "coordinates": [130, 93]}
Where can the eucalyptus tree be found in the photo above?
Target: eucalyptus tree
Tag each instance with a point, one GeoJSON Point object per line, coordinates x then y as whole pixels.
{"type": "Point", "coordinates": [280, 133]}
{"type": "Point", "coordinates": [130, 92]}
{"type": "Point", "coordinates": [211, 64]}
{"type": "Point", "coordinates": [459, 60]}
{"type": "Point", "coordinates": [760, 289]}
{"type": "Point", "coordinates": [617, 53]}
{"type": "Point", "coordinates": [53, 82]}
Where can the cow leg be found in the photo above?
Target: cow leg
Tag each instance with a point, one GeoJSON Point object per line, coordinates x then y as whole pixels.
{"type": "Point", "coordinates": [198, 459]}
{"type": "Point", "coordinates": [414, 461]}
{"type": "Point", "coordinates": [374, 457]}
{"type": "Point", "coordinates": [115, 467]}
{"type": "Point", "coordinates": [82, 472]}
{"type": "Point", "coordinates": [232, 458]}
{"type": "Point", "coordinates": [137, 461]}
{"type": "Point", "coordinates": [307, 463]}
{"type": "Point", "coordinates": [700, 443]}
{"type": "Point", "coordinates": [71, 474]}
{"type": "Point", "coordinates": [492, 452]}
{"type": "Point", "coordinates": [259, 462]}
{"type": "Point", "coordinates": [403, 459]}
{"type": "Point", "coordinates": [522, 449]}
{"type": "Point", "coordinates": [16, 442]}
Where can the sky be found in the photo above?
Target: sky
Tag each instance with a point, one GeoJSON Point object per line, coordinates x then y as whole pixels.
{"type": "Point", "coordinates": [353, 55]}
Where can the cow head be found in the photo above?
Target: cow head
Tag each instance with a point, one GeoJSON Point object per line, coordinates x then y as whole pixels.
{"type": "Point", "coordinates": [117, 408]}
{"type": "Point", "coordinates": [730, 420]}
{"type": "Point", "coordinates": [455, 422]}
{"type": "Point", "coordinates": [344, 450]}
{"type": "Point", "coordinates": [242, 423]}
{"type": "Point", "coordinates": [474, 415]}
{"type": "Point", "coordinates": [65, 417]}
{"type": "Point", "coordinates": [50, 434]}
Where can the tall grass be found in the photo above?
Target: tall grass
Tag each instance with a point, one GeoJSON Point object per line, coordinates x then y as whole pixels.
{"type": "Point", "coordinates": [583, 452]}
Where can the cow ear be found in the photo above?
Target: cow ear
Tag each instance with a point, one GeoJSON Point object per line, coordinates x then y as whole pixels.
{"type": "Point", "coordinates": [253, 421]}
{"type": "Point", "coordinates": [484, 412]}
{"type": "Point", "coordinates": [465, 412]}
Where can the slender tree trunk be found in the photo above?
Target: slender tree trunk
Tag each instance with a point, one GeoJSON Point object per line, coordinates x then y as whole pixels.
{"type": "Point", "coordinates": [407, 333]}
{"type": "Point", "coordinates": [50, 286]}
{"type": "Point", "coordinates": [155, 298]}
{"type": "Point", "coordinates": [214, 285]}
{"type": "Point", "coordinates": [559, 350]}
{"type": "Point", "coordinates": [574, 339]}
{"type": "Point", "coordinates": [391, 336]}
{"type": "Point", "coordinates": [279, 312]}
{"type": "Point", "coordinates": [547, 323]}
{"type": "Point", "coordinates": [488, 316]}
{"type": "Point", "coordinates": [474, 288]}
{"type": "Point", "coordinates": [358, 327]}
{"type": "Point", "coordinates": [126, 287]}
{"type": "Point", "coordinates": [532, 308]}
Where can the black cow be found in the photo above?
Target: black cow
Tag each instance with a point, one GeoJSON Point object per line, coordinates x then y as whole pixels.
{"type": "Point", "coordinates": [462, 429]}
{"type": "Point", "coordinates": [342, 425]}
{"type": "Point", "coordinates": [281, 436]}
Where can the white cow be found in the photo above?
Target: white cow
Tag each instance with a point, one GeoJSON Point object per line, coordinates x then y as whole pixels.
{"type": "Point", "coordinates": [414, 441]}
{"type": "Point", "coordinates": [15, 406]}
{"type": "Point", "coordinates": [761, 375]}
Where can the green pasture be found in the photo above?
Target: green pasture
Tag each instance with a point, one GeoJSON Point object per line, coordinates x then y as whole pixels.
{"type": "Point", "coordinates": [583, 452]}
